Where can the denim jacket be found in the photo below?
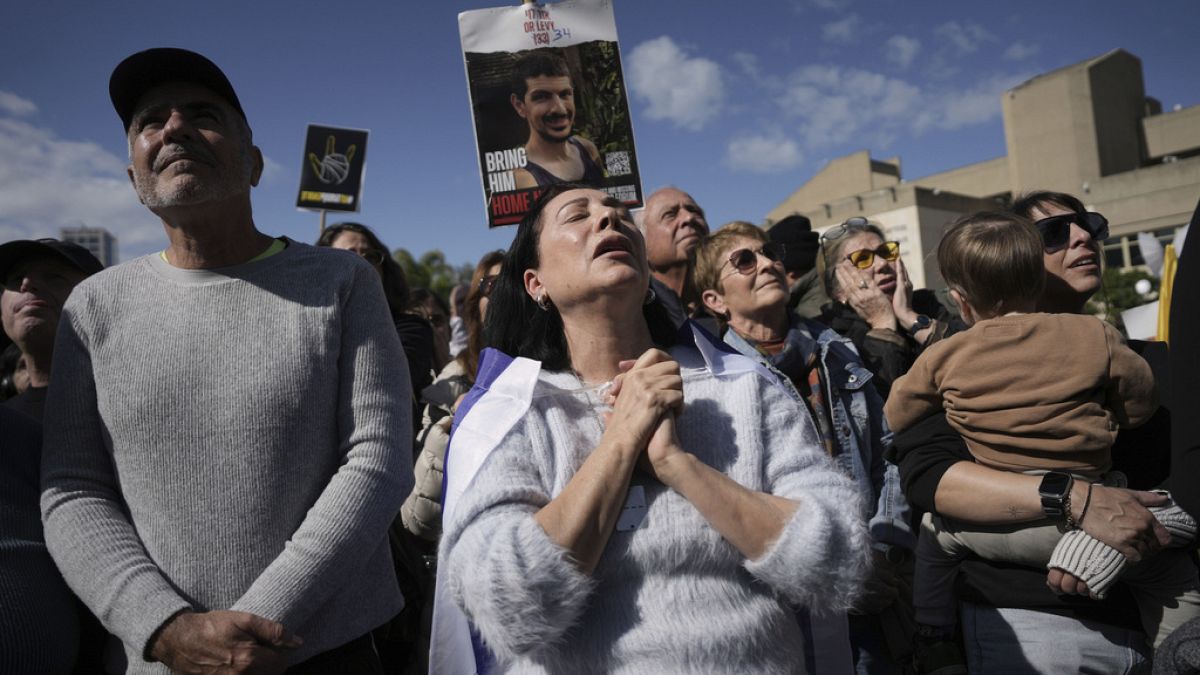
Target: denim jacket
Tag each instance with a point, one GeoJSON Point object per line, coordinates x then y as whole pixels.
{"type": "Point", "coordinates": [860, 430]}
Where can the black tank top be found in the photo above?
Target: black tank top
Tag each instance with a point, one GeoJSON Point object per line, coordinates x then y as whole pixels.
{"type": "Point", "coordinates": [591, 172]}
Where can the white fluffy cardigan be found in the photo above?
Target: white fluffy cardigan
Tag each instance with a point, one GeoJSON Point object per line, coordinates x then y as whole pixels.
{"type": "Point", "coordinates": [673, 595]}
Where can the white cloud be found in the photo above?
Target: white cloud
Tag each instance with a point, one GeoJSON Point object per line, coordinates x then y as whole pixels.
{"type": "Point", "coordinates": [835, 105]}
{"type": "Point", "coordinates": [954, 109]}
{"type": "Point", "coordinates": [763, 153]}
{"type": "Point", "coordinates": [688, 91]}
{"type": "Point", "coordinates": [965, 37]}
{"type": "Point", "coordinates": [844, 31]}
{"type": "Point", "coordinates": [829, 5]}
{"type": "Point", "coordinates": [747, 63]}
{"type": "Point", "coordinates": [901, 50]}
{"type": "Point", "coordinates": [48, 182]}
{"type": "Point", "coordinates": [15, 105]}
{"type": "Point", "coordinates": [1019, 51]}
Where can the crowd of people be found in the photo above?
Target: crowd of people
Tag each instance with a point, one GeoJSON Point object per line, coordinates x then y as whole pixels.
{"type": "Point", "coordinates": [630, 444]}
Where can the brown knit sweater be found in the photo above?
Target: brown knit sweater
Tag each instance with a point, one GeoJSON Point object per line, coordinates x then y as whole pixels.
{"type": "Point", "coordinates": [1030, 391]}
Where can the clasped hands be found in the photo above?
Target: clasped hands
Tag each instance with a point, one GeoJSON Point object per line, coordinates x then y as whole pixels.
{"type": "Point", "coordinates": [221, 641]}
{"type": "Point", "coordinates": [646, 396]}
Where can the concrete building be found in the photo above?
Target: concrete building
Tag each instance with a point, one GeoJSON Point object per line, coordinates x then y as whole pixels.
{"type": "Point", "coordinates": [98, 240]}
{"type": "Point", "coordinates": [1102, 140]}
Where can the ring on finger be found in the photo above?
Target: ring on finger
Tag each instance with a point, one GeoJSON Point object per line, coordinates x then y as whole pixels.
{"type": "Point", "coordinates": [863, 285]}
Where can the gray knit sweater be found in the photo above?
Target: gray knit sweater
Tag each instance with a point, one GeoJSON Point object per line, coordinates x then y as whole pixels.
{"type": "Point", "coordinates": [229, 439]}
{"type": "Point", "coordinates": [672, 596]}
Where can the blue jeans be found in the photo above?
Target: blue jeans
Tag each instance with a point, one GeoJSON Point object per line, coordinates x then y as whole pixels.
{"type": "Point", "coordinates": [1005, 640]}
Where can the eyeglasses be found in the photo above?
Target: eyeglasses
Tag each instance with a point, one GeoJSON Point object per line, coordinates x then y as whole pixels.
{"type": "Point", "coordinates": [745, 260]}
{"type": "Point", "coordinates": [487, 284]}
{"type": "Point", "coordinates": [373, 257]}
{"type": "Point", "coordinates": [1056, 230]}
{"type": "Point", "coordinates": [863, 258]}
{"type": "Point", "coordinates": [839, 230]}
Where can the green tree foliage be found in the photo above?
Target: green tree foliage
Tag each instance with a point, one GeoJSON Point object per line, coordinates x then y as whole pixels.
{"type": "Point", "coordinates": [433, 272]}
{"type": "Point", "coordinates": [1118, 294]}
{"type": "Point", "coordinates": [600, 115]}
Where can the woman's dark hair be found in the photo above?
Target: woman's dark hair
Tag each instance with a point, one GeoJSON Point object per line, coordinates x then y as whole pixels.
{"type": "Point", "coordinates": [1026, 203]}
{"type": "Point", "coordinates": [516, 326]}
{"type": "Point", "coordinates": [395, 284]}
{"type": "Point", "coordinates": [469, 357]}
{"type": "Point", "coordinates": [418, 299]}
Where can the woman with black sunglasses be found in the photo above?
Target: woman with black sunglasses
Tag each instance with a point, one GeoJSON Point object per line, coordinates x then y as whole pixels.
{"type": "Point", "coordinates": [1072, 237]}
{"type": "Point", "coordinates": [1019, 619]}
{"type": "Point", "coordinates": [874, 303]}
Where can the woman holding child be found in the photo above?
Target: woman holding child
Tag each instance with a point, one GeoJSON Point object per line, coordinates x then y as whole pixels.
{"type": "Point", "coordinates": [1011, 621]}
{"type": "Point", "coordinates": [650, 486]}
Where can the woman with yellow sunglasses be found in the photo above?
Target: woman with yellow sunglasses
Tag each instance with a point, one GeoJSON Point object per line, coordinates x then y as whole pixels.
{"type": "Point", "coordinates": [874, 303]}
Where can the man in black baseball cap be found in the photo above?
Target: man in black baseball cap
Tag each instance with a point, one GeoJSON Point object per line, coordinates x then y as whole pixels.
{"type": "Point", "coordinates": [799, 264]}
{"type": "Point", "coordinates": [145, 70]}
{"type": "Point", "coordinates": [37, 277]}
{"type": "Point", "coordinates": [227, 413]}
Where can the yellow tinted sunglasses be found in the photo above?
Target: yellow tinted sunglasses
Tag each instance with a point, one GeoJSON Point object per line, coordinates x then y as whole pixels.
{"type": "Point", "coordinates": [863, 258]}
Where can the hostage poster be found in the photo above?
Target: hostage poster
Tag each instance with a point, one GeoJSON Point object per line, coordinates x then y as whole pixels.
{"type": "Point", "coordinates": [548, 102]}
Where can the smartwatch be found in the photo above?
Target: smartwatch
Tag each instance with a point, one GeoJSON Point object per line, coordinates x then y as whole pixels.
{"type": "Point", "coordinates": [921, 323]}
{"type": "Point", "coordinates": [1055, 492]}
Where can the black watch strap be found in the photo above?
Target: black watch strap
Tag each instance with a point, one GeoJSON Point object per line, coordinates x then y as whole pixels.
{"type": "Point", "coordinates": [921, 323]}
{"type": "Point", "coordinates": [1055, 493]}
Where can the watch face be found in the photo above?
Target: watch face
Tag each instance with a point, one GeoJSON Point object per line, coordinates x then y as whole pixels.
{"type": "Point", "coordinates": [1054, 484]}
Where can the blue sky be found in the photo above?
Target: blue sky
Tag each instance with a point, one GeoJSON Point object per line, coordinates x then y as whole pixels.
{"type": "Point", "coordinates": [737, 103]}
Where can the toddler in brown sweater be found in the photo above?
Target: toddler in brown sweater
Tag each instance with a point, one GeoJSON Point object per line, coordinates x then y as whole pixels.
{"type": "Point", "coordinates": [1033, 393]}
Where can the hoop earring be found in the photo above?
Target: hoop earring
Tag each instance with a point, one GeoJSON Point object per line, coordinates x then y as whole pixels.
{"type": "Point", "coordinates": [543, 302]}
{"type": "Point", "coordinates": [651, 296]}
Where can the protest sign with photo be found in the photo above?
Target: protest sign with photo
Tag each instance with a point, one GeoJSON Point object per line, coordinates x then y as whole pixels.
{"type": "Point", "coordinates": [548, 103]}
{"type": "Point", "coordinates": [331, 174]}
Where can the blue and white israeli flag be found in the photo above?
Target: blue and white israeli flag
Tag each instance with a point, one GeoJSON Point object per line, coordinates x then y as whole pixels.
{"type": "Point", "coordinates": [501, 396]}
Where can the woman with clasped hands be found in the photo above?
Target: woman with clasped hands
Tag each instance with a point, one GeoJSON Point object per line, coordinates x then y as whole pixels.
{"type": "Point", "coordinates": [645, 514]}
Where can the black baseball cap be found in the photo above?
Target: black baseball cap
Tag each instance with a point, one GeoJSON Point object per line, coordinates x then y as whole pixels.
{"type": "Point", "coordinates": [145, 70]}
{"type": "Point", "coordinates": [72, 254]}
{"type": "Point", "coordinates": [800, 242]}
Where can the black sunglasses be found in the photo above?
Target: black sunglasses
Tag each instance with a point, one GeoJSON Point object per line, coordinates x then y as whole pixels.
{"type": "Point", "coordinates": [374, 257]}
{"type": "Point", "coordinates": [745, 260]}
{"type": "Point", "coordinates": [1056, 230]}
{"type": "Point", "coordinates": [487, 284]}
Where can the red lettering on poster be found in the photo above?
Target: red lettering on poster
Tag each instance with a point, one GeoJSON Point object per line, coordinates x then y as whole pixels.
{"type": "Point", "coordinates": [510, 202]}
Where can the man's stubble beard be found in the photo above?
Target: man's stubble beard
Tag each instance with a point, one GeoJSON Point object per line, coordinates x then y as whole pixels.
{"type": "Point", "coordinates": [555, 139]}
{"type": "Point", "coordinates": [155, 195]}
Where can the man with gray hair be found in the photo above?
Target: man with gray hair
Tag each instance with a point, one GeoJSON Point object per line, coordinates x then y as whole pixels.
{"type": "Point", "coordinates": [228, 425]}
{"type": "Point", "coordinates": [673, 224]}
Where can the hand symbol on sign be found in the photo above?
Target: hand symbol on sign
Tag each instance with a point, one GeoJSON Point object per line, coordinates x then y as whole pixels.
{"type": "Point", "coordinates": [334, 167]}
